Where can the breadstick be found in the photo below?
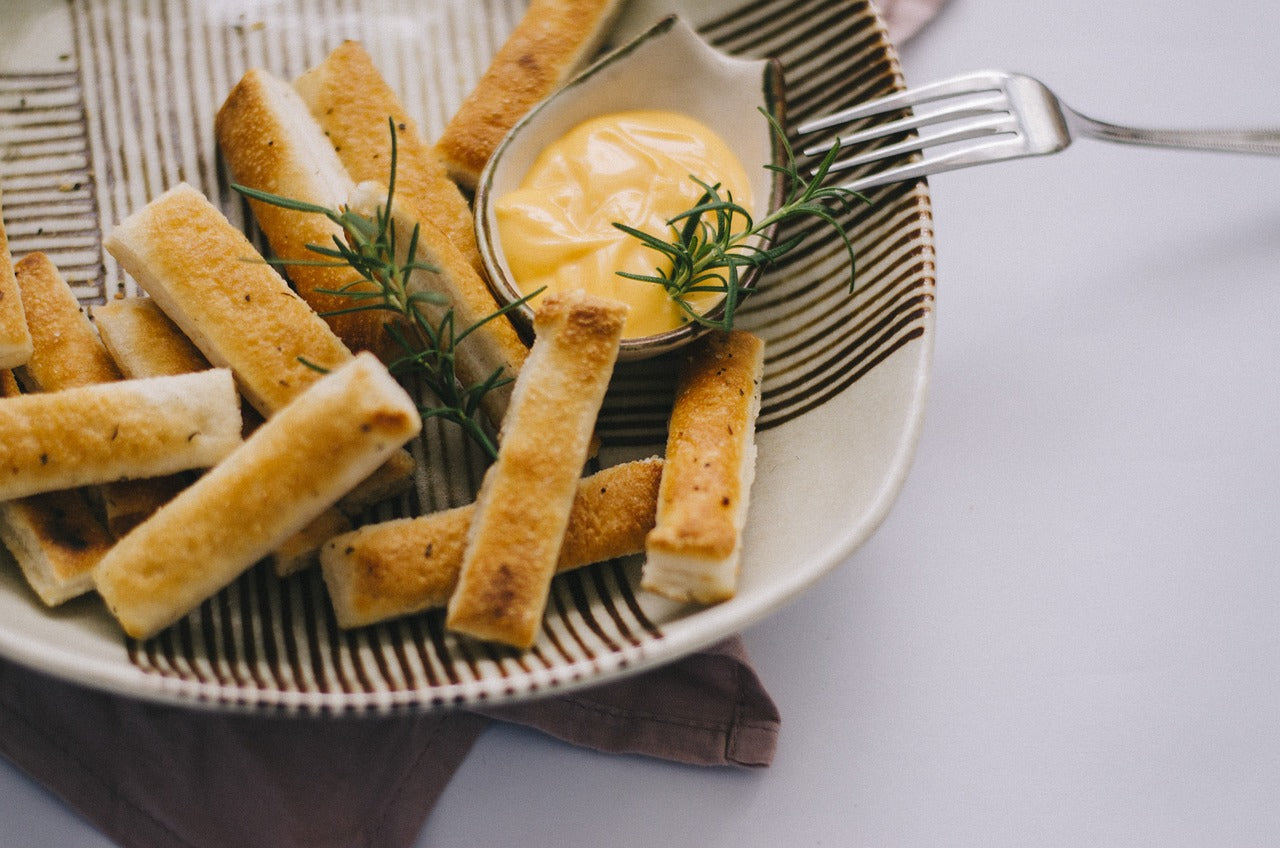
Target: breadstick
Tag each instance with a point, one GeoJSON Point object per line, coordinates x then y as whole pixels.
{"type": "Point", "coordinates": [552, 40]}
{"type": "Point", "coordinates": [66, 350]}
{"type": "Point", "coordinates": [289, 471]}
{"type": "Point", "coordinates": [54, 537]}
{"type": "Point", "coordinates": [694, 552]}
{"type": "Point", "coordinates": [15, 338]}
{"type": "Point", "coordinates": [407, 565]}
{"type": "Point", "coordinates": [212, 283]}
{"type": "Point", "coordinates": [495, 345]}
{"type": "Point", "coordinates": [112, 431]}
{"type": "Point", "coordinates": [56, 541]}
{"type": "Point", "coordinates": [526, 496]}
{"type": "Point", "coordinates": [353, 104]}
{"type": "Point", "coordinates": [142, 340]}
{"type": "Point", "coordinates": [271, 143]}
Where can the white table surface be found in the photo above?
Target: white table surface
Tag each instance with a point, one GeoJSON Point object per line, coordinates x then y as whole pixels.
{"type": "Point", "coordinates": [1067, 631]}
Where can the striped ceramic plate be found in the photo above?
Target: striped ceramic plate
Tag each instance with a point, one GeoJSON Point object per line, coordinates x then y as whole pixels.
{"type": "Point", "coordinates": [105, 103]}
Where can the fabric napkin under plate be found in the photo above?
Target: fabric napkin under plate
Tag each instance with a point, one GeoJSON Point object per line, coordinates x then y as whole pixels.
{"type": "Point", "coordinates": [153, 776]}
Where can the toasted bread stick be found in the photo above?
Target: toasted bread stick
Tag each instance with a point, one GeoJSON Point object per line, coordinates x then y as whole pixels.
{"type": "Point", "coordinates": [693, 553]}
{"type": "Point", "coordinates": [407, 565]}
{"type": "Point", "coordinates": [271, 143]}
{"type": "Point", "coordinates": [553, 40]}
{"type": "Point", "coordinates": [131, 428]}
{"type": "Point", "coordinates": [142, 340]}
{"type": "Point", "coordinates": [55, 537]}
{"type": "Point", "coordinates": [355, 107]}
{"type": "Point", "coordinates": [212, 283]}
{"type": "Point", "coordinates": [56, 541]}
{"type": "Point", "coordinates": [287, 473]}
{"type": "Point", "coordinates": [494, 345]}
{"type": "Point", "coordinates": [524, 502]}
{"type": "Point", "coordinates": [66, 350]}
{"type": "Point", "coordinates": [15, 338]}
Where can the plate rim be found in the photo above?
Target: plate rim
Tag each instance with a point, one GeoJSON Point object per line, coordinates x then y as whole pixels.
{"type": "Point", "coordinates": [679, 637]}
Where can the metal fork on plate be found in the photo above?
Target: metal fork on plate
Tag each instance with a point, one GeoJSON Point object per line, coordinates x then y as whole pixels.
{"type": "Point", "coordinates": [990, 116]}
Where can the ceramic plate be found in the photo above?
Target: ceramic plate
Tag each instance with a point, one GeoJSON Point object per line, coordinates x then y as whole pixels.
{"type": "Point", "coordinates": [105, 103]}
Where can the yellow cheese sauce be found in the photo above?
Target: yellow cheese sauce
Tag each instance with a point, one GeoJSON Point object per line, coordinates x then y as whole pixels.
{"type": "Point", "coordinates": [630, 167]}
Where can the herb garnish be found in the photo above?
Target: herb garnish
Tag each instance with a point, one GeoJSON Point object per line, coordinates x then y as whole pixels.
{"type": "Point", "coordinates": [369, 247]}
{"type": "Point", "coordinates": [714, 243]}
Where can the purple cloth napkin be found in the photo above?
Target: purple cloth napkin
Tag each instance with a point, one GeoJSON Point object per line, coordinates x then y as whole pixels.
{"type": "Point", "coordinates": [152, 776]}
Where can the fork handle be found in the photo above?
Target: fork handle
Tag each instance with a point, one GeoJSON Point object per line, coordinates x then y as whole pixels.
{"type": "Point", "coordinates": [1263, 142]}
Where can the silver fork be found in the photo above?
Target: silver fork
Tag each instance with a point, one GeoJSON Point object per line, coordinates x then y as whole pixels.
{"type": "Point", "coordinates": [990, 116]}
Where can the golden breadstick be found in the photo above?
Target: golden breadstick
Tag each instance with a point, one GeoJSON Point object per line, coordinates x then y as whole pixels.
{"type": "Point", "coordinates": [271, 143]}
{"type": "Point", "coordinates": [694, 552]}
{"type": "Point", "coordinates": [287, 473]}
{"type": "Point", "coordinates": [113, 431]}
{"type": "Point", "coordinates": [54, 537]}
{"type": "Point", "coordinates": [407, 565]}
{"type": "Point", "coordinates": [56, 541]}
{"type": "Point", "coordinates": [355, 106]}
{"type": "Point", "coordinates": [212, 283]}
{"type": "Point", "coordinates": [142, 340]}
{"type": "Point", "coordinates": [524, 502]}
{"type": "Point", "coordinates": [552, 40]}
{"type": "Point", "coordinates": [66, 350]}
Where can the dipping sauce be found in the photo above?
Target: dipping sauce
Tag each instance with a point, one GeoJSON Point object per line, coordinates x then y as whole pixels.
{"type": "Point", "coordinates": [630, 167]}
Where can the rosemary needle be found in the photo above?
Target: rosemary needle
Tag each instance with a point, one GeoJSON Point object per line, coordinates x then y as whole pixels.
{"type": "Point", "coordinates": [716, 242]}
{"type": "Point", "coordinates": [368, 246]}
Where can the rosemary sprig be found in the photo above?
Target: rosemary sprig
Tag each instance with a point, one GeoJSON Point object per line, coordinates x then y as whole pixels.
{"type": "Point", "coordinates": [369, 246]}
{"type": "Point", "coordinates": [715, 243]}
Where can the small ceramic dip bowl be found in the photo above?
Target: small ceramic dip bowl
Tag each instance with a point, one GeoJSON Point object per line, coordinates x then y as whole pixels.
{"type": "Point", "coordinates": [670, 68]}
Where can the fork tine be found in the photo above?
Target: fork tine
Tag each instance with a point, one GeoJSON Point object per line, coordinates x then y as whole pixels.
{"type": "Point", "coordinates": [990, 151]}
{"type": "Point", "coordinates": [989, 125]}
{"type": "Point", "coordinates": [971, 108]}
{"type": "Point", "coordinates": [974, 83]}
